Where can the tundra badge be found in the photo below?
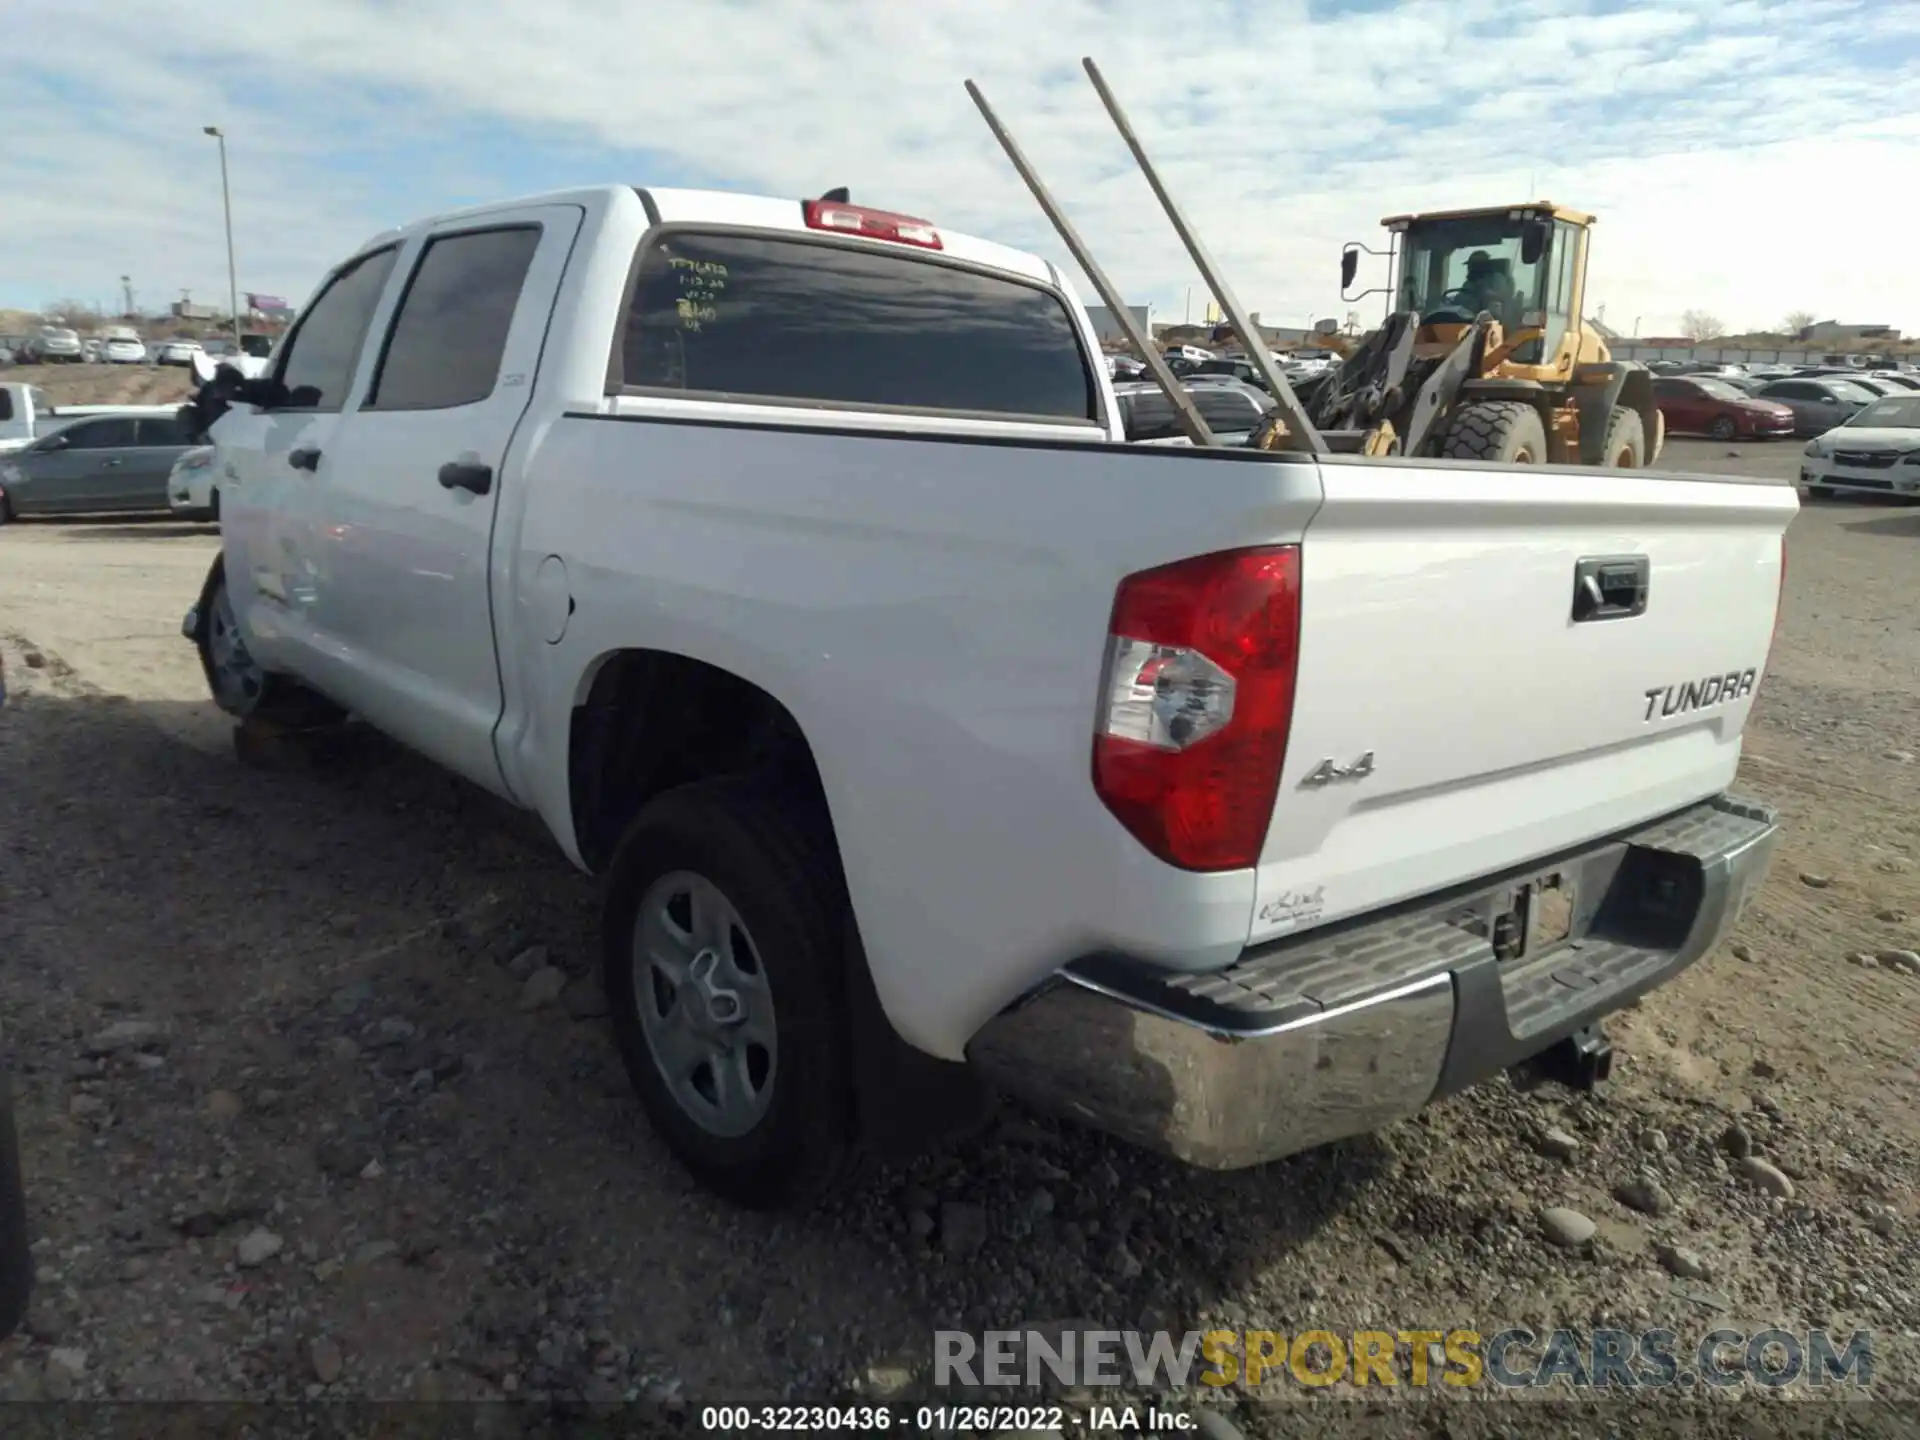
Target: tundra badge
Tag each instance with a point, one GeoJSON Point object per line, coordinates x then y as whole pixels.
{"type": "Point", "coordinates": [1698, 694]}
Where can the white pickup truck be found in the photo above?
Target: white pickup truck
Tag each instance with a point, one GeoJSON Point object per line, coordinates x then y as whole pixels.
{"type": "Point", "coordinates": [787, 559]}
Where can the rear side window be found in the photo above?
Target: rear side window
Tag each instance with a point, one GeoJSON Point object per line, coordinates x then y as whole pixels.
{"type": "Point", "coordinates": [801, 321]}
{"type": "Point", "coordinates": [163, 430]}
{"type": "Point", "coordinates": [320, 356]}
{"type": "Point", "coordinates": [451, 331]}
{"type": "Point", "coordinates": [6, 404]}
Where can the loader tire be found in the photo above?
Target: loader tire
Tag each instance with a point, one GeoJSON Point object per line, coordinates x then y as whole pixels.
{"type": "Point", "coordinates": [1626, 442]}
{"type": "Point", "coordinates": [1507, 432]}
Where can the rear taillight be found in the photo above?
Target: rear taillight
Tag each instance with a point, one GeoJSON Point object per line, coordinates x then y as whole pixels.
{"type": "Point", "coordinates": [1196, 701]}
{"type": "Point", "coordinates": [871, 224]}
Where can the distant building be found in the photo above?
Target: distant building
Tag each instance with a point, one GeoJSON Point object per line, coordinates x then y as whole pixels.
{"type": "Point", "coordinates": [186, 310]}
{"type": "Point", "coordinates": [1832, 332]}
{"type": "Point", "coordinates": [1108, 328]}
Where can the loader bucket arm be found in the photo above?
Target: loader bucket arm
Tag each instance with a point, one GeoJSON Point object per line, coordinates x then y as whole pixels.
{"type": "Point", "coordinates": [1436, 398]}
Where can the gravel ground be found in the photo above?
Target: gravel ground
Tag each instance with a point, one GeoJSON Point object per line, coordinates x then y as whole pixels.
{"type": "Point", "coordinates": [295, 1126]}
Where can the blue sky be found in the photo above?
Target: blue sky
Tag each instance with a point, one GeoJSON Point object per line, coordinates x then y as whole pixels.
{"type": "Point", "coordinates": [1746, 157]}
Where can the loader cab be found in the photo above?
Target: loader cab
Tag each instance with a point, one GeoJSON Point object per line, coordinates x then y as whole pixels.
{"type": "Point", "coordinates": [1525, 265]}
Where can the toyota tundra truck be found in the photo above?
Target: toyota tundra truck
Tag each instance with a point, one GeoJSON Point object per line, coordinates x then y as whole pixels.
{"type": "Point", "coordinates": [787, 558]}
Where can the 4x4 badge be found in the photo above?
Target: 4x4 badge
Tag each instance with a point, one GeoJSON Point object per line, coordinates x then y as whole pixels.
{"type": "Point", "coordinates": [1328, 771]}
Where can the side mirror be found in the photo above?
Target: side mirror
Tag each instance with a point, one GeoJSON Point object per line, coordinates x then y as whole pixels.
{"type": "Point", "coordinates": [1533, 242]}
{"type": "Point", "coordinates": [1349, 266]}
{"type": "Point", "coordinates": [52, 442]}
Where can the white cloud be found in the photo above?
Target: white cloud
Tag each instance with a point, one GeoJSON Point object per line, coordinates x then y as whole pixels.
{"type": "Point", "coordinates": [1747, 157]}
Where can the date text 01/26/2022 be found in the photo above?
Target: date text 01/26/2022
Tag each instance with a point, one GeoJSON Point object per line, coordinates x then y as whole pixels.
{"type": "Point", "coordinates": [934, 1419]}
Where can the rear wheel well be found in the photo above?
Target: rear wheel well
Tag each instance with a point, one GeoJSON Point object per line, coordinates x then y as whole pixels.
{"type": "Point", "coordinates": [653, 720]}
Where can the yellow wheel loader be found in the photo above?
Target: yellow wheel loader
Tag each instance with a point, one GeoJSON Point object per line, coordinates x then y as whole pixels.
{"type": "Point", "coordinates": [1485, 358]}
{"type": "Point", "coordinates": [1485, 355]}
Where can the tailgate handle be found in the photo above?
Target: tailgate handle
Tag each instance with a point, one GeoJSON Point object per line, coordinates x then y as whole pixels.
{"type": "Point", "coordinates": [1610, 587]}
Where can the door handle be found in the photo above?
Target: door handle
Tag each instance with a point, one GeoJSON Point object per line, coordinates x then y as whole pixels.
{"type": "Point", "coordinates": [1610, 587]}
{"type": "Point", "coordinates": [307, 457]}
{"type": "Point", "coordinates": [112, 462]}
{"type": "Point", "coordinates": [466, 475]}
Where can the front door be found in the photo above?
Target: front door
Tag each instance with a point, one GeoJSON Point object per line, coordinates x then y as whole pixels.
{"type": "Point", "coordinates": [268, 459]}
{"type": "Point", "coordinates": [78, 472]}
{"type": "Point", "coordinates": [403, 606]}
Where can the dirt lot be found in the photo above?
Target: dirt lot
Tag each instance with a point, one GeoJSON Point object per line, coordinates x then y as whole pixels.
{"type": "Point", "coordinates": [105, 384]}
{"type": "Point", "coordinates": [334, 1153]}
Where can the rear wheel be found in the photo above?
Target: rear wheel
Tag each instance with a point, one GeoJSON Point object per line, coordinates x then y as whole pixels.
{"type": "Point", "coordinates": [1724, 428]}
{"type": "Point", "coordinates": [1626, 442]}
{"type": "Point", "coordinates": [722, 941]}
{"type": "Point", "coordinates": [1507, 432]}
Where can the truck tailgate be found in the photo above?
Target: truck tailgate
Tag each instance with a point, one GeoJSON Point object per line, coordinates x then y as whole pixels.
{"type": "Point", "coordinates": [1467, 702]}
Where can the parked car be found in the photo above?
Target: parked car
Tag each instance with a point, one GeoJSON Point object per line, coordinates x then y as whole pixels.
{"type": "Point", "coordinates": [121, 351]}
{"type": "Point", "coordinates": [1230, 409]}
{"type": "Point", "coordinates": [175, 352]}
{"type": "Point", "coordinates": [1877, 452]}
{"type": "Point", "coordinates": [55, 345]}
{"type": "Point", "coordinates": [1873, 385]}
{"type": "Point", "coordinates": [1230, 367]}
{"type": "Point", "coordinates": [1125, 367]}
{"type": "Point", "coordinates": [1901, 379]}
{"type": "Point", "coordinates": [193, 492]}
{"type": "Point", "coordinates": [1709, 405]}
{"type": "Point", "coordinates": [100, 462]}
{"type": "Point", "coordinates": [1000, 752]}
{"type": "Point", "coordinates": [1818, 403]}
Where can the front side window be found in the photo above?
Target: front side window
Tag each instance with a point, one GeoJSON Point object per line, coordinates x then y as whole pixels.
{"type": "Point", "coordinates": [100, 434]}
{"type": "Point", "coordinates": [811, 322]}
{"type": "Point", "coordinates": [450, 333]}
{"type": "Point", "coordinates": [319, 362]}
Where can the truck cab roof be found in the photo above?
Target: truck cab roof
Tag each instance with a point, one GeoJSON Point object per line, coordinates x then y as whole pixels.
{"type": "Point", "coordinates": [676, 206]}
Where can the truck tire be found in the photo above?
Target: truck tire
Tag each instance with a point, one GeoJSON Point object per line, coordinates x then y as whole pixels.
{"type": "Point", "coordinates": [722, 939]}
{"type": "Point", "coordinates": [237, 682]}
{"type": "Point", "coordinates": [1506, 431]}
{"type": "Point", "coordinates": [1626, 442]}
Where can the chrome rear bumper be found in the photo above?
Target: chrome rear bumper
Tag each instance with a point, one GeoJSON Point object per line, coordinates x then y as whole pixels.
{"type": "Point", "coordinates": [1342, 1031]}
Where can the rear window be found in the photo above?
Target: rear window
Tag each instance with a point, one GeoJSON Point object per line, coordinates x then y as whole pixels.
{"type": "Point", "coordinates": [800, 321]}
{"type": "Point", "coordinates": [1149, 414]}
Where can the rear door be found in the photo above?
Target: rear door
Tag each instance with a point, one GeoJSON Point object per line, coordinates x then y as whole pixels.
{"type": "Point", "coordinates": [140, 481]}
{"type": "Point", "coordinates": [1461, 707]}
{"type": "Point", "coordinates": [402, 609]}
{"type": "Point", "coordinates": [1679, 401]}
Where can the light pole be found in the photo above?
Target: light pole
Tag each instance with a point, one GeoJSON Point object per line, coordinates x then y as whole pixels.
{"type": "Point", "coordinates": [226, 200]}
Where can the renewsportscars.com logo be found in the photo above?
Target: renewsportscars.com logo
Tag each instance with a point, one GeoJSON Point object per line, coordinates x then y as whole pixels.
{"type": "Point", "coordinates": [1508, 1359]}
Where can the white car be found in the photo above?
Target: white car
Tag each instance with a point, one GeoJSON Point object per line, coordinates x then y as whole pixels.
{"type": "Point", "coordinates": [1877, 452]}
{"type": "Point", "coordinates": [120, 351]}
{"type": "Point", "coordinates": [931, 738]}
{"type": "Point", "coordinates": [176, 352]}
{"type": "Point", "coordinates": [193, 492]}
